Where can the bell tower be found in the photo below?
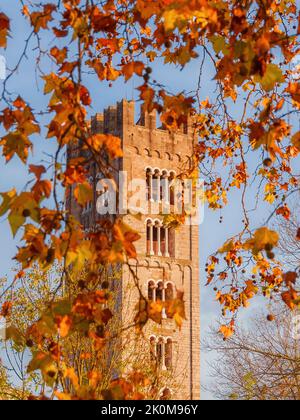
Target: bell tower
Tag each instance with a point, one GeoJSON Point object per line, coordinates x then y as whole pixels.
{"type": "Point", "coordinates": [167, 259]}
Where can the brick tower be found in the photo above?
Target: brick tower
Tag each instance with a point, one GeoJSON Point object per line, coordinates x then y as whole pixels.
{"type": "Point", "coordinates": [168, 260]}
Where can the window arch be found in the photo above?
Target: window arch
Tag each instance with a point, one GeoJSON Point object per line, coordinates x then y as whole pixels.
{"type": "Point", "coordinates": [159, 184]}
{"type": "Point", "coordinates": [169, 291]}
{"type": "Point", "coordinates": [161, 351]}
{"type": "Point", "coordinates": [160, 239]}
{"type": "Point", "coordinates": [151, 290]}
{"type": "Point", "coordinates": [160, 291]}
{"type": "Point", "coordinates": [168, 353]}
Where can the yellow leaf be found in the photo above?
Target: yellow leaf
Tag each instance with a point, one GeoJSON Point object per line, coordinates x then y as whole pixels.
{"type": "Point", "coordinates": [83, 193]}
{"type": "Point", "coordinates": [262, 239]}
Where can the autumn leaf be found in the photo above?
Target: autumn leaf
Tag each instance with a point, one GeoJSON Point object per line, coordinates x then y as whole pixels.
{"type": "Point", "coordinates": [15, 335]}
{"type": "Point", "coordinates": [45, 363]}
{"type": "Point", "coordinates": [6, 309]}
{"type": "Point", "coordinates": [290, 298]}
{"type": "Point", "coordinates": [272, 76]}
{"type": "Point", "coordinates": [16, 143]}
{"type": "Point", "coordinates": [40, 20]}
{"type": "Point", "coordinates": [83, 193]}
{"type": "Point", "coordinates": [296, 140]}
{"type": "Point", "coordinates": [134, 67]}
{"type": "Point", "coordinates": [111, 144]}
{"type": "Point", "coordinates": [263, 239]}
{"type": "Point", "coordinates": [227, 331]}
{"type": "Point", "coordinates": [38, 171]}
{"type": "Point", "coordinates": [227, 247]}
{"type": "Point", "coordinates": [7, 199]}
{"type": "Point", "coordinates": [284, 211]}
{"type": "Point", "coordinates": [175, 309]}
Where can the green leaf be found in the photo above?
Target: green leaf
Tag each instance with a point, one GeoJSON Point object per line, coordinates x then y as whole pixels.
{"type": "Point", "coordinates": [272, 76]}
{"type": "Point", "coordinates": [219, 44]}
{"type": "Point", "coordinates": [16, 221]}
{"type": "Point", "coordinates": [83, 193]}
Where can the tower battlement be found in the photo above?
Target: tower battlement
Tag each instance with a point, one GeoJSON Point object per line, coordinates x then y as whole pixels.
{"type": "Point", "coordinates": [114, 118]}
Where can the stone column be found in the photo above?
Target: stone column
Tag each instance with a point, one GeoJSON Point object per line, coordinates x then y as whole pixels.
{"type": "Point", "coordinates": [167, 254]}
{"type": "Point", "coordinates": [159, 241]}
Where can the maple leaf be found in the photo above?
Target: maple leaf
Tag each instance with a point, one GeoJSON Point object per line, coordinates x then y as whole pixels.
{"type": "Point", "coordinates": [16, 143]}
{"type": "Point", "coordinates": [290, 297]}
{"type": "Point", "coordinates": [272, 76]}
{"type": "Point", "coordinates": [40, 20]}
{"type": "Point", "coordinates": [263, 238]}
{"type": "Point", "coordinates": [284, 211]}
{"type": "Point", "coordinates": [83, 193]}
{"type": "Point", "coordinates": [45, 363]}
{"type": "Point", "coordinates": [227, 331]}
{"type": "Point", "coordinates": [111, 143]}
{"type": "Point", "coordinates": [129, 69]}
{"type": "Point", "coordinates": [8, 198]}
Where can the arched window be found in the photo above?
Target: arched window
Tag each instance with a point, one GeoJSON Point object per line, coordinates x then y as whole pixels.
{"type": "Point", "coordinates": [152, 349]}
{"type": "Point", "coordinates": [160, 291]}
{"type": "Point", "coordinates": [160, 347]}
{"type": "Point", "coordinates": [156, 184]}
{"type": "Point", "coordinates": [169, 292]}
{"type": "Point", "coordinates": [168, 354]}
{"type": "Point", "coordinates": [161, 352]}
{"type": "Point", "coordinates": [159, 185]}
{"type": "Point", "coordinates": [151, 291]}
{"type": "Point", "coordinates": [160, 239]}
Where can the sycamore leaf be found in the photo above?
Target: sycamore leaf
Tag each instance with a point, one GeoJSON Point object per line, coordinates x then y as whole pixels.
{"type": "Point", "coordinates": [129, 69]}
{"type": "Point", "coordinates": [12, 333]}
{"type": "Point", "coordinates": [226, 331]}
{"type": "Point", "coordinates": [272, 76]}
{"type": "Point", "coordinates": [112, 144]}
{"type": "Point", "coordinates": [7, 200]}
{"type": "Point", "coordinates": [21, 207]}
{"type": "Point", "coordinates": [227, 247]}
{"type": "Point", "coordinates": [83, 193]}
{"type": "Point", "coordinates": [15, 143]}
{"type": "Point", "coordinates": [43, 362]}
{"type": "Point", "coordinates": [16, 221]}
{"type": "Point", "coordinates": [219, 44]}
{"type": "Point", "coordinates": [263, 239]}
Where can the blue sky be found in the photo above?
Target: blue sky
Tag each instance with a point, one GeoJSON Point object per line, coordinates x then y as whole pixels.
{"type": "Point", "coordinates": [212, 233]}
